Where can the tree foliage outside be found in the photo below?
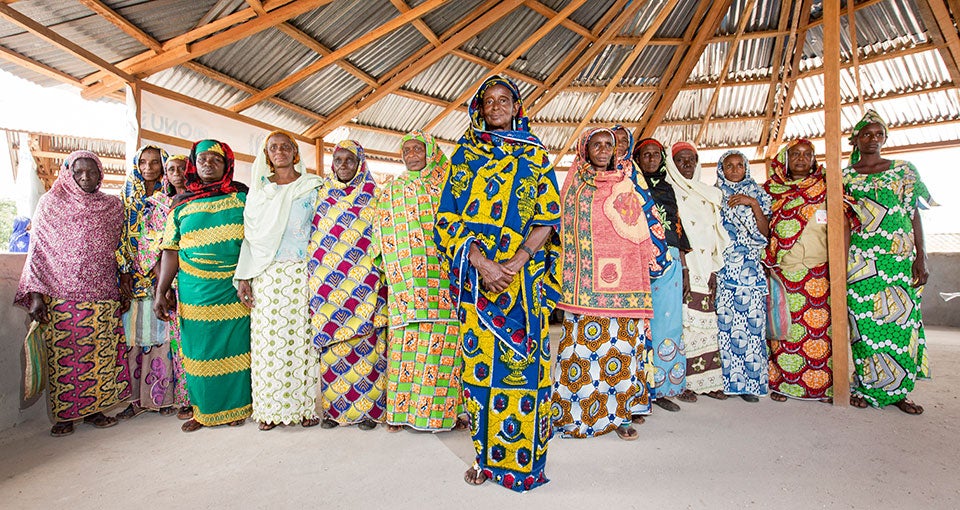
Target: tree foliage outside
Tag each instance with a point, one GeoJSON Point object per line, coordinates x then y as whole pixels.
{"type": "Point", "coordinates": [8, 211]}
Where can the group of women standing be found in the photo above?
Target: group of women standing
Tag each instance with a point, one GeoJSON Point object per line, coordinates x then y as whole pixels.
{"type": "Point", "coordinates": [424, 303]}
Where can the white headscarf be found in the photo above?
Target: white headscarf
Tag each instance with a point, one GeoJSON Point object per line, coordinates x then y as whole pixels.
{"type": "Point", "coordinates": [698, 205]}
{"type": "Point", "coordinates": [267, 211]}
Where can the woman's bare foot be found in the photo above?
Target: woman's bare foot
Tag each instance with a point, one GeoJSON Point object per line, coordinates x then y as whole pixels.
{"type": "Point", "coordinates": [908, 406]}
{"type": "Point", "coordinates": [776, 397]}
{"type": "Point", "coordinates": [309, 422]}
{"type": "Point", "coordinates": [191, 425]}
{"type": "Point", "coordinates": [687, 396]}
{"type": "Point", "coordinates": [858, 402]}
{"type": "Point", "coordinates": [264, 426]}
{"type": "Point", "coordinates": [474, 476]}
{"type": "Point", "coordinates": [627, 433]}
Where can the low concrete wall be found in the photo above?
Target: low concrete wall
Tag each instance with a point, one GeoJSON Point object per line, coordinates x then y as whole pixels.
{"type": "Point", "coordinates": [944, 277]}
{"type": "Point", "coordinates": [13, 327]}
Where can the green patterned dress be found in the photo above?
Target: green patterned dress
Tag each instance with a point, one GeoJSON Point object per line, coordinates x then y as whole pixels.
{"type": "Point", "coordinates": [886, 329]}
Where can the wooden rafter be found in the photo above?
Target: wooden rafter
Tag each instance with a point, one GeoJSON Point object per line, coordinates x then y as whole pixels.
{"type": "Point", "coordinates": [339, 53]}
{"type": "Point", "coordinates": [936, 17]}
{"type": "Point", "coordinates": [122, 23]}
{"type": "Point", "coordinates": [559, 83]}
{"type": "Point", "coordinates": [541, 32]}
{"type": "Point", "coordinates": [37, 67]}
{"type": "Point", "coordinates": [417, 23]}
{"type": "Point", "coordinates": [14, 16]}
{"type": "Point", "coordinates": [778, 67]}
{"type": "Point", "coordinates": [790, 77]}
{"type": "Point", "coordinates": [681, 66]}
{"type": "Point", "coordinates": [175, 55]}
{"type": "Point", "coordinates": [470, 57]}
{"type": "Point", "coordinates": [565, 21]}
{"type": "Point", "coordinates": [307, 40]}
{"type": "Point", "coordinates": [464, 32]}
{"type": "Point", "coordinates": [727, 62]}
{"type": "Point", "coordinates": [615, 79]}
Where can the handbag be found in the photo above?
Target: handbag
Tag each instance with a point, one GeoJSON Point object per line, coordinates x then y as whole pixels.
{"type": "Point", "coordinates": [34, 364]}
{"type": "Point", "coordinates": [778, 311]}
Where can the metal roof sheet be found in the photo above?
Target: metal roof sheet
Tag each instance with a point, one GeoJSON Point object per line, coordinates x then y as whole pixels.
{"type": "Point", "coordinates": [399, 113]}
{"type": "Point", "coordinates": [387, 52]}
{"type": "Point", "coordinates": [325, 91]}
{"type": "Point", "coordinates": [447, 78]}
{"type": "Point", "coordinates": [500, 39]}
{"type": "Point", "coordinates": [566, 107]}
{"type": "Point", "coordinates": [623, 107]}
{"type": "Point", "coordinates": [195, 85]}
{"type": "Point", "coordinates": [284, 54]}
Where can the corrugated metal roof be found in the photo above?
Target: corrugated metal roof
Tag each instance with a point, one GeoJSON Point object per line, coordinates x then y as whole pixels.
{"type": "Point", "coordinates": [338, 23]}
{"type": "Point", "coordinates": [276, 115]}
{"type": "Point", "coordinates": [399, 113]}
{"type": "Point", "coordinates": [623, 107]}
{"type": "Point", "coordinates": [552, 136]}
{"type": "Point", "coordinates": [452, 126]}
{"type": "Point", "coordinates": [377, 141]}
{"type": "Point", "coordinates": [764, 16]}
{"type": "Point", "coordinates": [324, 91]}
{"type": "Point", "coordinates": [49, 13]}
{"type": "Point", "coordinates": [162, 19]}
{"type": "Point", "coordinates": [643, 19]}
{"type": "Point", "coordinates": [446, 16]}
{"type": "Point", "coordinates": [546, 54]}
{"type": "Point", "coordinates": [649, 68]}
{"type": "Point", "coordinates": [197, 86]}
{"type": "Point", "coordinates": [285, 55]}
{"type": "Point", "coordinates": [689, 105]}
{"type": "Point", "coordinates": [602, 68]}
{"type": "Point", "coordinates": [387, 52]}
{"type": "Point", "coordinates": [566, 107]}
{"type": "Point", "coordinates": [588, 14]}
{"type": "Point", "coordinates": [500, 39]}
{"type": "Point", "coordinates": [677, 21]}
{"type": "Point", "coordinates": [447, 78]}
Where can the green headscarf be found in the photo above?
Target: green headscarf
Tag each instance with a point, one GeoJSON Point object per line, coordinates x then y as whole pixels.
{"type": "Point", "coordinates": [871, 117]}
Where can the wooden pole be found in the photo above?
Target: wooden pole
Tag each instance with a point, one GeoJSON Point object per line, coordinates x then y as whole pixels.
{"type": "Point", "coordinates": [319, 144]}
{"type": "Point", "coordinates": [835, 219]}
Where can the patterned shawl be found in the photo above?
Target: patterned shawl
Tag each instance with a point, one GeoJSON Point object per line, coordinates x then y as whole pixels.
{"type": "Point", "coordinates": [663, 195]}
{"type": "Point", "coordinates": [699, 203]}
{"type": "Point", "coordinates": [347, 296]}
{"type": "Point", "coordinates": [605, 238]}
{"type": "Point", "coordinates": [418, 276]}
{"type": "Point", "coordinates": [75, 236]}
{"type": "Point", "coordinates": [871, 117]}
{"type": "Point", "coordinates": [739, 220]}
{"type": "Point", "coordinates": [658, 235]}
{"type": "Point", "coordinates": [196, 188]}
{"type": "Point", "coordinates": [19, 236]}
{"type": "Point", "coordinates": [267, 211]}
{"type": "Point", "coordinates": [501, 185]}
{"type": "Point", "coordinates": [625, 162]}
{"type": "Point", "coordinates": [136, 208]}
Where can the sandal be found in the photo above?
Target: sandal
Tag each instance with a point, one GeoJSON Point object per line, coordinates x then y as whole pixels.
{"type": "Point", "coordinates": [191, 425]}
{"type": "Point", "coordinates": [61, 428]}
{"type": "Point", "coordinates": [238, 423]}
{"type": "Point", "coordinates": [687, 396]}
{"type": "Point", "coordinates": [627, 433]}
{"type": "Point", "coordinates": [638, 420]}
{"type": "Point", "coordinates": [776, 397]}
{"type": "Point", "coordinates": [132, 411]}
{"type": "Point", "coordinates": [474, 476]}
{"type": "Point", "coordinates": [367, 425]}
{"type": "Point", "coordinates": [264, 426]}
{"type": "Point", "coordinates": [329, 424]}
{"type": "Point", "coordinates": [667, 405]}
{"type": "Point", "coordinates": [717, 394]}
{"type": "Point", "coordinates": [394, 428]}
{"type": "Point", "coordinates": [100, 421]}
{"type": "Point", "coordinates": [185, 413]}
{"type": "Point", "coordinates": [167, 411]}
{"type": "Point", "coordinates": [753, 399]}
{"type": "Point", "coordinates": [309, 422]}
{"type": "Point", "coordinates": [858, 402]}
{"type": "Point", "coordinates": [463, 423]}
{"type": "Point", "coordinates": [908, 406]}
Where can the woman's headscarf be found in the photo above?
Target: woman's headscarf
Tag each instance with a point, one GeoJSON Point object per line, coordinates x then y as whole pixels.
{"type": "Point", "coordinates": [519, 131]}
{"type": "Point", "coordinates": [407, 212]}
{"type": "Point", "coordinates": [871, 117]}
{"type": "Point", "coordinates": [168, 188]}
{"type": "Point", "coordinates": [347, 298]}
{"type": "Point", "coordinates": [664, 197]}
{"type": "Point", "coordinates": [625, 162]}
{"type": "Point", "coordinates": [267, 210]}
{"type": "Point", "coordinates": [196, 188]}
{"type": "Point", "coordinates": [605, 239]}
{"type": "Point", "coordinates": [75, 236]}
{"type": "Point", "coordinates": [699, 204]}
{"type": "Point", "coordinates": [739, 221]}
{"type": "Point", "coordinates": [136, 208]}
{"type": "Point", "coordinates": [19, 236]}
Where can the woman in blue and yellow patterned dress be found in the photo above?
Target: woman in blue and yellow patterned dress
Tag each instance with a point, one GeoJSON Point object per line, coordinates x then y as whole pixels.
{"type": "Point", "coordinates": [497, 224]}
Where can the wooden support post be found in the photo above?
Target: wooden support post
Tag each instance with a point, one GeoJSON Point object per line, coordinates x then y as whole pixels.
{"type": "Point", "coordinates": [836, 243]}
{"type": "Point", "coordinates": [319, 145]}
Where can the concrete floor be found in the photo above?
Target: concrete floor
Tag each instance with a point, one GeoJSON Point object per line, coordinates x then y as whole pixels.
{"type": "Point", "coordinates": [712, 454]}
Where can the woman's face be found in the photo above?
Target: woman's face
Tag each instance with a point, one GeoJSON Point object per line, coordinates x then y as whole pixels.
{"type": "Point", "coordinates": [600, 149]}
{"type": "Point", "coordinates": [499, 108]}
{"type": "Point", "coordinates": [414, 154]}
{"type": "Point", "coordinates": [623, 142]}
{"type": "Point", "coordinates": [86, 174]}
{"type": "Point", "coordinates": [345, 165]}
{"type": "Point", "coordinates": [210, 166]}
{"type": "Point", "coordinates": [650, 158]}
{"type": "Point", "coordinates": [150, 165]}
{"type": "Point", "coordinates": [281, 151]}
{"type": "Point", "coordinates": [734, 168]}
{"type": "Point", "coordinates": [870, 139]}
{"type": "Point", "coordinates": [174, 172]}
{"type": "Point", "coordinates": [800, 159]}
{"type": "Point", "coordinates": [686, 161]}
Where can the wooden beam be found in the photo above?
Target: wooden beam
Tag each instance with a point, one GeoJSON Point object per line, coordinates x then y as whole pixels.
{"type": "Point", "coordinates": [835, 218]}
{"type": "Point", "coordinates": [187, 144]}
{"type": "Point", "coordinates": [13, 16]}
{"type": "Point", "coordinates": [178, 54]}
{"type": "Point", "coordinates": [339, 53]}
{"type": "Point", "coordinates": [37, 67]}
{"type": "Point", "coordinates": [559, 82]}
{"type": "Point", "coordinates": [470, 57]}
{"type": "Point", "coordinates": [788, 81]}
{"type": "Point", "coordinates": [565, 21]}
{"type": "Point", "coordinates": [257, 6]}
{"type": "Point", "coordinates": [488, 17]}
{"type": "Point", "coordinates": [122, 23]}
{"type": "Point", "coordinates": [307, 40]}
{"type": "Point", "coordinates": [417, 23]}
{"type": "Point", "coordinates": [731, 52]}
{"type": "Point", "coordinates": [846, 64]}
{"type": "Point", "coordinates": [541, 32]}
{"type": "Point", "coordinates": [678, 75]}
{"type": "Point", "coordinates": [942, 31]}
{"type": "Point", "coordinates": [615, 79]}
{"type": "Point", "coordinates": [778, 63]}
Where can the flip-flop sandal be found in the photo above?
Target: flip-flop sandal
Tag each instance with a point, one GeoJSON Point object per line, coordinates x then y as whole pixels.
{"type": "Point", "coordinates": [910, 407]}
{"type": "Point", "coordinates": [100, 421]}
{"type": "Point", "coordinates": [191, 425]}
{"type": "Point", "coordinates": [462, 424]}
{"type": "Point", "coordinates": [185, 413]}
{"type": "Point", "coordinates": [474, 476]}
{"type": "Point", "coordinates": [627, 433]}
{"type": "Point", "coordinates": [166, 411]}
{"type": "Point", "coordinates": [638, 420]}
{"type": "Point", "coordinates": [717, 394]}
{"type": "Point", "coordinates": [267, 426]}
{"type": "Point", "coordinates": [237, 423]}
{"type": "Point", "coordinates": [329, 423]}
{"type": "Point", "coordinates": [394, 428]}
{"type": "Point", "coordinates": [309, 422]}
{"type": "Point", "coordinates": [667, 405]}
{"type": "Point", "coordinates": [776, 397]}
{"type": "Point", "coordinates": [687, 396]}
{"type": "Point", "coordinates": [132, 411]}
{"type": "Point", "coordinates": [367, 425]}
{"type": "Point", "coordinates": [61, 429]}
{"type": "Point", "coordinates": [858, 402]}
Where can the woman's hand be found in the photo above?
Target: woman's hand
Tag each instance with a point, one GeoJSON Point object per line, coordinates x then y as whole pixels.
{"type": "Point", "coordinates": [126, 285]}
{"type": "Point", "coordinates": [494, 276]}
{"type": "Point", "coordinates": [920, 273]}
{"type": "Point", "coordinates": [38, 308]}
{"type": "Point", "coordinates": [163, 305]}
{"type": "Point", "coordinates": [245, 292]}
